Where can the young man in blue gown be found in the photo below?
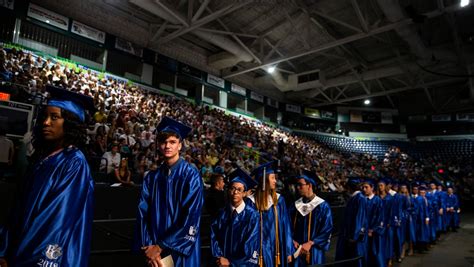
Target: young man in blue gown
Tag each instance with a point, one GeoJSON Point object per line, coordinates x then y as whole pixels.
{"type": "Point", "coordinates": [311, 219]}
{"type": "Point", "coordinates": [169, 209]}
{"type": "Point", "coordinates": [235, 231]}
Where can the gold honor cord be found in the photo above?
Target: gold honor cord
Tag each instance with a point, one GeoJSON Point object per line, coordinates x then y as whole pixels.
{"type": "Point", "coordinates": [308, 256]}
{"type": "Point", "coordinates": [277, 257]}
{"type": "Point", "coordinates": [260, 258]}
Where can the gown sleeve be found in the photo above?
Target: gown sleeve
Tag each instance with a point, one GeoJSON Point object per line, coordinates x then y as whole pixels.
{"type": "Point", "coordinates": [142, 236]}
{"type": "Point", "coordinates": [286, 235]}
{"type": "Point", "coordinates": [252, 242]}
{"type": "Point", "coordinates": [216, 230]}
{"type": "Point", "coordinates": [360, 218]}
{"type": "Point", "coordinates": [182, 235]}
{"type": "Point", "coordinates": [322, 240]}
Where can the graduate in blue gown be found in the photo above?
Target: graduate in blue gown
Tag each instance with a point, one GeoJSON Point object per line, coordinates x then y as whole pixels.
{"type": "Point", "coordinates": [52, 224]}
{"type": "Point", "coordinates": [275, 242]}
{"type": "Point", "coordinates": [375, 233]}
{"type": "Point", "coordinates": [398, 206]}
{"type": "Point", "coordinates": [312, 223]}
{"type": "Point", "coordinates": [452, 210]}
{"type": "Point", "coordinates": [388, 227]}
{"type": "Point", "coordinates": [407, 222]}
{"type": "Point", "coordinates": [442, 197]}
{"type": "Point", "coordinates": [352, 239]}
{"type": "Point", "coordinates": [422, 218]}
{"type": "Point", "coordinates": [169, 209]}
{"type": "Point", "coordinates": [432, 196]}
{"type": "Point", "coordinates": [235, 232]}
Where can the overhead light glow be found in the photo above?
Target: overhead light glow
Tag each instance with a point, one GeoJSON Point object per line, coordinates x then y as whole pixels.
{"type": "Point", "coordinates": [271, 69]}
{"type": "Point", "coordinates": [47, 21]}
{"type": "Point", "coordinates": [367, 102]}
{"type": "Point", "coordinates": [464, 3]}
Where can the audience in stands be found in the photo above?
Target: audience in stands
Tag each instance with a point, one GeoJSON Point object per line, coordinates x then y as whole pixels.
{"type": "Point", "coordinates": [127, 115]}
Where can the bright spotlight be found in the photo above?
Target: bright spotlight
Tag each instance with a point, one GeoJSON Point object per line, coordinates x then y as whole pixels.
{"type": "Point", "coordinates": [271, 69]}
{"type": "Point", "coordinates": [367, 102]}
{"type": "Point", "coordinates": [464, 3]}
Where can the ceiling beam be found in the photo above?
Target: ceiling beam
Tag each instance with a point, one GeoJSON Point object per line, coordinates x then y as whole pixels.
{"type": "Point", "coordinates": [228, 32]}
{"type": "Point", "coordinates": [360, 16]}
{"type": "Point", "coordinates": [326, 46]}
{"type": "Point", "coordinates": [199, 12]}
{"type": "Point", "coordinates": [237, 39]}
{"type": "Point", "coordinates": [278, 52]}
{"type": "Point", "coordinates": [341, 91]}
{"type": "Point", "coordinates": [190, 10]}
{"type": "Point", "coordinates": [338, 21]}
{"type": "Point", "coordinates": [173, 13]}
{"type": "Point", "coordinates": [391, 91]}
{"type": "Point", "coordinates": [203, 21]}
{"type": "Point", "coordinates": [389, 98]}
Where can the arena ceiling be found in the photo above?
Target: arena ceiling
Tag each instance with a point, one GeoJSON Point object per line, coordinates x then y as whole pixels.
{"type": "Point", "coordinates": [416, 56]}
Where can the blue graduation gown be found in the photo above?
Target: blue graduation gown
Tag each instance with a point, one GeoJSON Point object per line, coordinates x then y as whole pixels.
{"type": "Point", "coordinates": [376, 246]}
{"type": "Point", "coordinates": [169, 212]}
{"type": "Point", "coordinates": [408, 219]}
{"type": "Point", "coordinates": [442, 197]}
{"type": "Point", "coordinates": [388, 205]}
{"type": "Point", "coordinates": [236, 239]}
{"type": "Point", "coordinates": [451, 217]}
{"type": "Point", "coordinates": [269, 235]}
{"type": "Point", "coordinates": [399, 204]}
{"type": "Point", "coordinates": [320, 230]}
{"type": "Point", "coordinates": [433, 211]}
{"type": "Point", "coordinates": [53, 221]}
{"type": "Point", "coordinates": [423, 213]}
{"type": "Point", "coordinates": [352, 241]}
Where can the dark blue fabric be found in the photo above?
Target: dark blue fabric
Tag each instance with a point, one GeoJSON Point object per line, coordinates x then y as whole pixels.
{"type": "Point", "coordinates": [352, 241]}
{"type": "Point", "coordinates": [376, 245]}
{"type": "Point", "coordinates": [236, 238]}
{"type": "Point", "coordinates": [422, 213]}
{"type": "Point", "coordinates": [321, 229]}
{"type": "Point", "coordinates": [52, 224]}
{"type": "Point", "coordinates": [169, 212]}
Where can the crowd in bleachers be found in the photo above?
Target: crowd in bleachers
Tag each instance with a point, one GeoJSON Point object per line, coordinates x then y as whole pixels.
{"type": "Point", "coordinates": [123, 128]}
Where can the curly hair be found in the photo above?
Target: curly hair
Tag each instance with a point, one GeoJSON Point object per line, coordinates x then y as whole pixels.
{"type": "Point", "coordinates": [74, 134]}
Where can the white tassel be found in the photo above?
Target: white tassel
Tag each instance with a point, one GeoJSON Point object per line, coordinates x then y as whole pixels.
{"type": "Point", "coordinates": [264, 178]}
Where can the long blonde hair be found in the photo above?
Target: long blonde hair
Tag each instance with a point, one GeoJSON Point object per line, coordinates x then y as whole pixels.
{"type": "Point", "coordinates": [261, 196]}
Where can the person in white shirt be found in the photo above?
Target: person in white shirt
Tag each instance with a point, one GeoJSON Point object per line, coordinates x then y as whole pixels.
{"type": "Point", "coordinates": [111, 161]}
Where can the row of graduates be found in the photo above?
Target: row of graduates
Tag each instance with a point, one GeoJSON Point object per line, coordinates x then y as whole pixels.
{"type": "Point", "coordinates": [381, 228]}
{"type": "Point", "coordinates": [257, 227]}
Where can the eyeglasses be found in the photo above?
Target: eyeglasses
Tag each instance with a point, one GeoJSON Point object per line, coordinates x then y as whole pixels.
{"type": "Point", "coordinates": [300, 184]}
{"type": "Point", "coordinates": [237, 190]}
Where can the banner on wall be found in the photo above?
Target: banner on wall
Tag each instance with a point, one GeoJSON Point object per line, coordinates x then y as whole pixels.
{"type": "Point", "coordinates": [238, 89]}
{"type": "Point", "coordinates": [7, 4]}
{"type": "Point", "coordinates": [293, 108]}
{"type": "Point", "coordinates": [256, 97]}
{"type": "Point", "coordinates": [441, 117]}
{"type": "Point", "coordinates": [88, 32]}
{"type": "Point", "coordinates": [190, 71]}
{"type": "Point", "coordinates": [356, 116]}
{"type": "Point", "coordinates": [386, 118]}
{"type": "Point", "coordinates": [311, 112]}
{"type": "Point", "coordinates": [47, 16]}
{"type": "Point", "coordinates": [465, 116]}
{"type": "Point", "coordinates": [272, 103]}
{"type": "Point", "coordinates": [330, 115]}
{"type": "Point", "coordinates": [214, 80]}
{"type": "Point", "coordinates": [128, 47]}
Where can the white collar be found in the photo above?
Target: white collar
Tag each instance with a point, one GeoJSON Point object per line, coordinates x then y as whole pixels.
{"type": "Point", "coordinates": [306, 208]}
{"type": "Point", "coordinates": [355, 193]}
{"type": "Point", "coordinates": [239, 208]}
{"type": "Point", "coordinates": [415, 195]}
{"type": "Point", "coordinates": [371, 196]}
{"type": "Point", "coordinates": [270, 200]}
{"type": "Point", "coordinates": [392, 192]}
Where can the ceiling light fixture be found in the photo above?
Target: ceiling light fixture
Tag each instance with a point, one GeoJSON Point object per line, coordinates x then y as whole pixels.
{"type": "Point", "coordinates": [367, 102]}
{"type": "Point", "coordinates": [464, 3]}
{"type": "Point", "coordinates": [271, 69]}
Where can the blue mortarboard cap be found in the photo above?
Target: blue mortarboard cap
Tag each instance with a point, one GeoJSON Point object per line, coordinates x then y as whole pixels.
{"type": "Point", "coordinates": [75, 103]}
{"type": "Point", "coordinates": [369, 181]}
{"type": "Point", "coordinates": [402, 184]}
{"type": "Point", "coordinates": [385, 180]}
{"type": "Point", "coordinates": [354, 180]}
{"type": "Point", "coordinates": [422, 187]}
{"type": "Point", "coordinates": [240, 176]}
{"type": "Point", "coordinates": [415, 184]}
{"type": "Point", "coordinates": [266, 168]}
{"type": "Point", "coordinates": [169, 125]}
{"type": "Point", "coordinates": [309, 177]}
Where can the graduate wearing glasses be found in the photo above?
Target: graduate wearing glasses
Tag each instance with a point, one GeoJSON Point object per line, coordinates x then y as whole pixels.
{"type": "Point", "coordinates": [312, 223]}
{"type": "Point", "coordinates": [275, 242]}
{"type": "Point", "coordinates": [52, 223]}
{"type": "Point", "coordinates": [235, 232]}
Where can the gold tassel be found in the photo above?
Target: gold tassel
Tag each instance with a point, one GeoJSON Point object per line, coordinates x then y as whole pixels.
{"type": "Point", "coordinates": [260, 257]}
{"type": "Point", "coordinates": [308, 256]}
